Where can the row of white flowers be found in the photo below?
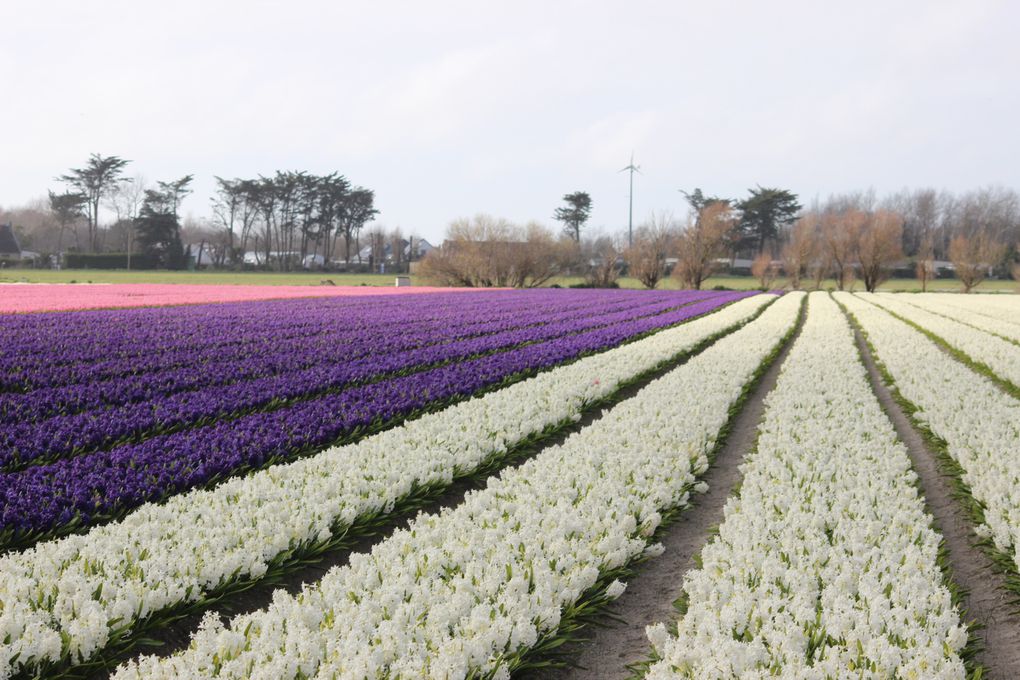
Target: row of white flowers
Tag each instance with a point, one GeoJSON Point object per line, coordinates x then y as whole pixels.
{"type": "Point", "coordinates": [825, 565]}
{"type": "Point", "coordinates": [994, 305]}
{"type": "Point", "coordinates": [62, 599]}
{"type": "Point", "coordinates": [979, 422]}
{"type": "Point", "coordinates": [1001, 317]}
{"type": "Point", "coordinates": [1001, 356]}
{"type": "Point", "coordinates": [469, 589]}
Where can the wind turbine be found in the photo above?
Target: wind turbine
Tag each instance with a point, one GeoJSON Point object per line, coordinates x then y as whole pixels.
{"type": "Point", "coordinates": [630, 212]}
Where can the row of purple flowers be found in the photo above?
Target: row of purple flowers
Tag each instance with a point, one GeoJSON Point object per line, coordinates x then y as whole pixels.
{"type": "Point", "coordinates": [137, 341]}
{"type": "Point", "coordinates": [47, 500]}
{"type": "Point", "coordinates": [33, 440]}
{"type": "Point", "coordinates": [176, 370]}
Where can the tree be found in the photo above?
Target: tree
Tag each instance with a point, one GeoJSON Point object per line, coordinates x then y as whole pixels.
{"type": "Point", "coordinates": [175, 192]}
{"type": "Point", "coordinates": [125, 197]}
{"type": "Point", "coordinates": [973, 256]}
{"type": "Point", "coordinates": [840, 232]}
{"type": "Point", "coordinates": [764, 269]}
{"type": "Point", "coordinates": [925, 267]}
{"type": "Point", "coordinates": [601, 261]}
{"type": "Point", "coordinates": [574, 214]}
{"type": "Point", "coordinates": [95, 181]}
{"type": "Point", "coordinates": [159, 232]}
{"type": "Point", "coordinates": [232, 205]}
{"type": "Point", "coordinates": [801, 251]}
{"type": "Point", "coordinates": [763, 214]}
{"type": "Point", "coordinates": [879, 247]}
{"type": "Point", "coordinates": [488, 251]}
{"type": "Point", "coordinates": [358, 211]}
{"type": "Point", "coordinates": [698, 201]}
{"type": "Point", "coordinates": [653, 242]}
{"type": "Point", "coordinates": [67, 208]}
{"type": "Point", "coordinates": [702, 242]}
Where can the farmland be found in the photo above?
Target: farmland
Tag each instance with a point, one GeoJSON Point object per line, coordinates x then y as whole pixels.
{"type": "Point", "coordinates": [707, 483]}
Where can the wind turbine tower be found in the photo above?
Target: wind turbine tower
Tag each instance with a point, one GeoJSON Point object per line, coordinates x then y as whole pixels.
{"type": "Point", "coordinates": [630, 211]}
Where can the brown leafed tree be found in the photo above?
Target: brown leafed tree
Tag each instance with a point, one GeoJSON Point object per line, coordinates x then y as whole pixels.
{"type": "Point", "coordinates": [925, 267]}
{"type": "Point", "coordinates": [879, 247]}
{"type": "Point", "coordinates": [603, 258]}
{"type": "Point", "coordinates": [487, 251]}
{"type": "Point", "coordinates": [653, 243]}
{"type": "Point", "coordinates": [840, 233]}
{"type": "Point", "coordinates": [702, 242]}
{"type": "Point", "coordinates": [764, 269]}
{"type": "Point", "coordinates": [802, 249]}
{"type": "Point", "coordinates": [973, 256]}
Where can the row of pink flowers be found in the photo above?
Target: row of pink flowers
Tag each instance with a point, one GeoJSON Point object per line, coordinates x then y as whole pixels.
{"type": "Point", "coordinates": [62, 297]}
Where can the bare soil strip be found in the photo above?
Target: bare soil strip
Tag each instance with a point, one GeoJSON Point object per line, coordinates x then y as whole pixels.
{"type": "Point", "coordinates": [656, 585]}
{"type": "Point", "coordinates": [984, 596]}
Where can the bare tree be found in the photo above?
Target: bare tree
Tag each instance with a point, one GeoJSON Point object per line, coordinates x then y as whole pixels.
{"type": "Point", "coordinates": [974, 256]}
{"type": "Point", "coordinates": [802, 249]}
{"type": "Point", "coordinates": [397, 244]}
{"type": "Point", "coordinates": [603, 266]}
{"type": "Point", "coordinates": [879, 247]}
{"type": "Point", "coordinates": [840, 233]}
{"type": "Point", "coordinates": [764, 269]}
{"type": "Point", "coordinates": [702, 242]}
{"type": "Point", "coordinates": [488, 251]}
{"type": "Point", "coordinates": [653, 242]}
{"type": "Point", "coordinates": [925, 267]}
{"type": "Point", "coordinates": [125, 198]}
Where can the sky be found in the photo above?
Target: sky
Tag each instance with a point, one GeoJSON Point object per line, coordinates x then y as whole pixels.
{"type": "Point", "coordinates": [447, 109]}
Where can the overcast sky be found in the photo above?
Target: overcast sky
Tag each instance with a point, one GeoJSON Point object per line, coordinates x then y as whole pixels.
{"type": "Point", "coordinates": [447, 109]}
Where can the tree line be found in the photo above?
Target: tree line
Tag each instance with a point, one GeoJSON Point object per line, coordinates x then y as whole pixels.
{"type": "Point", "coordinates": [282, 218]}
{"type": "Point", "coordinates": [288, 219]}
{"type": "Point", "coordinates": [846, 238]}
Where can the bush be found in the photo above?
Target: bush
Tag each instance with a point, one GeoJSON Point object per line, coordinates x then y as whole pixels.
{"type": "Point", "coordinates": [588, 284]}
{"type": "Point", "coordinates": [107, 261]}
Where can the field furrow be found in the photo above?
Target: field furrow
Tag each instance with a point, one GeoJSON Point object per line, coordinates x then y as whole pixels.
{"type": "Point", "coordinates": [826, 564]}
{"type": "Point", "coordinates": [971, 420]}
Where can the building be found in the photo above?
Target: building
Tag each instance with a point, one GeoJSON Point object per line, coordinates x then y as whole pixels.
{"type": "Point", "coordinates": [10, 249]}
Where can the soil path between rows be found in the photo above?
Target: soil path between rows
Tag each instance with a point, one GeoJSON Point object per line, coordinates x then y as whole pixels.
{"type": "Point", "coordinates": [656, 585]}
{"type": "Point", "coordinates": [984, 597]}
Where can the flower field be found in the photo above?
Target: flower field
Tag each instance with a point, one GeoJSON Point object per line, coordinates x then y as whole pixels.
{"type": "Point", "coordinates": [64, 297]}
{"type": "Point", "coordinates": [158, 463]}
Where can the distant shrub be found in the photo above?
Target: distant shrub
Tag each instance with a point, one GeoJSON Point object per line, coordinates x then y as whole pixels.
{"type": "Point", "coordinates": [108, 261]}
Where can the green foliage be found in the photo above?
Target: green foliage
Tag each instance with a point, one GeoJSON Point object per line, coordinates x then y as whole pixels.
{"type": "Point", "coordinates": [108, 261]}
{"type": "Point", "coordinates": [159, 232]}
{"type": "Point", "coordinates": [763, 214]}
{"type": "Point", "coordinates": [93, 182]}
{"type": "Point", "coordinates": [574, 214]}
{"type": "Point", "coordinates": [699, 201]}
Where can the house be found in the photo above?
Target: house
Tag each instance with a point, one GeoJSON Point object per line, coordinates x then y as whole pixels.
{"type": "Point", "coordinates": [200, 254]}
{"type": "Point", "coordinates": [419, 246]}
{"type": "Point", "coordinates": [9, 247]}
